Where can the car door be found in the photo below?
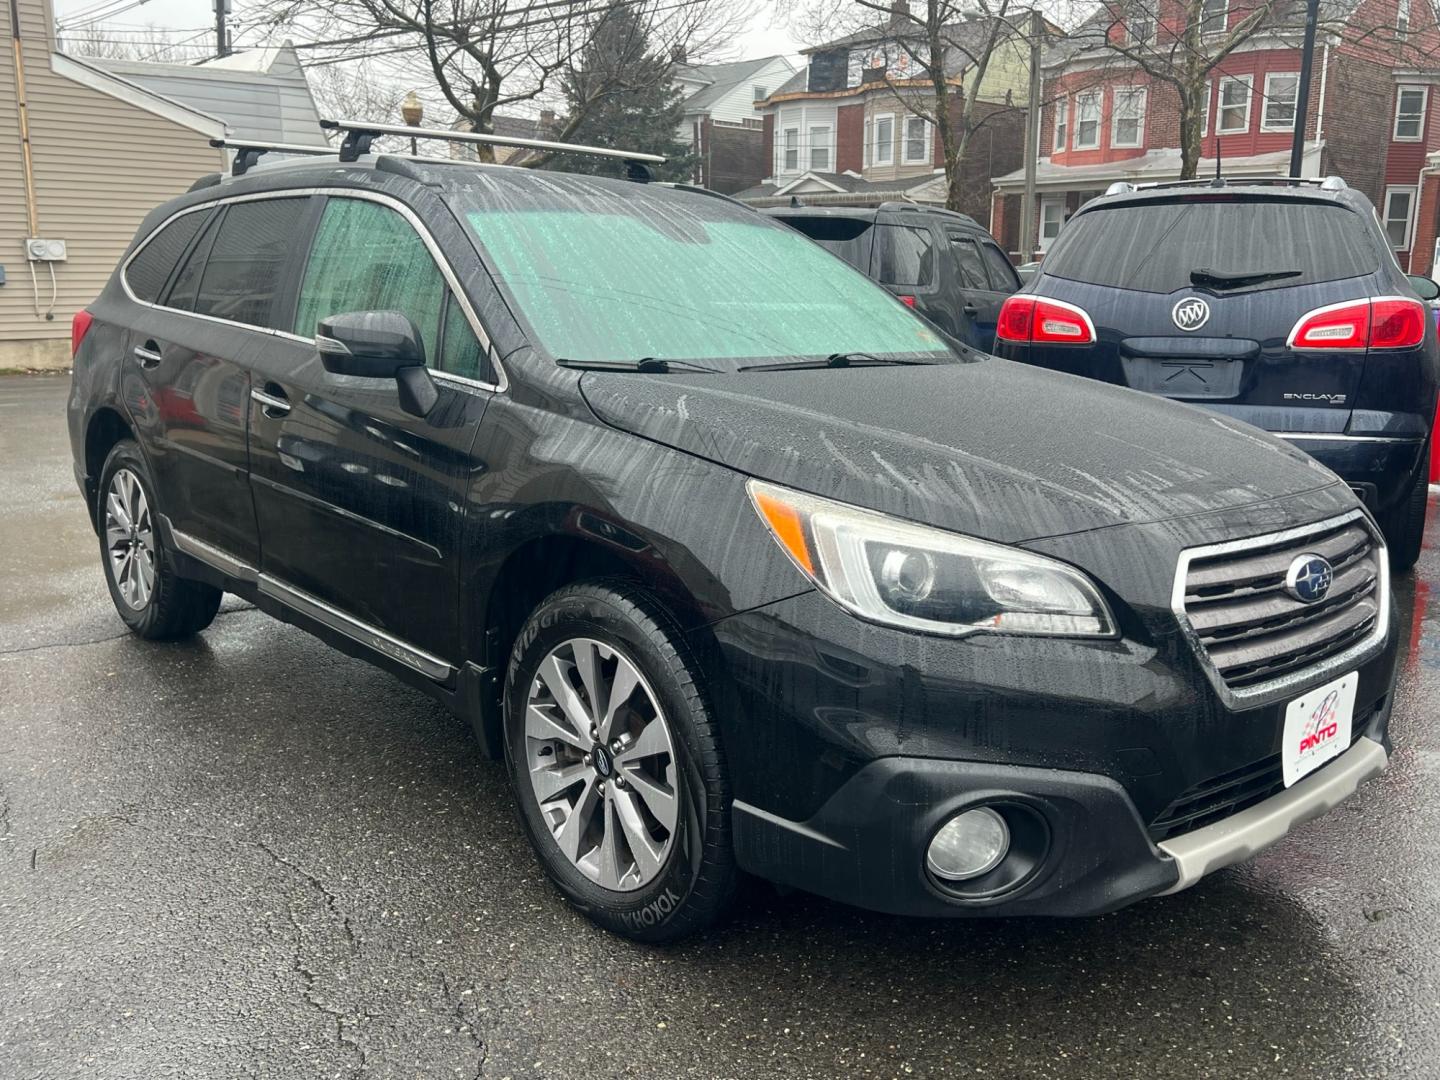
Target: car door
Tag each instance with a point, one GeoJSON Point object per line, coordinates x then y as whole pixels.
{"type": "Point", "coordinates": [981, 295]}
{"type": "Point", "coordinates": [187, 384]}
{"type": "Point", "coordinates": [360, 504]}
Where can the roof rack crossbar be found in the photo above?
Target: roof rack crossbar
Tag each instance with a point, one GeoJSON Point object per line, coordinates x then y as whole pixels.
{"type": "Point", "coordinates": [248, 153]}
{"type": "Point", "coordinates": [359, 134]}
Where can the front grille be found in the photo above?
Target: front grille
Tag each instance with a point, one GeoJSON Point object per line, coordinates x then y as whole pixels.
{"type": "Point", "coordinates": [1252, 631]}
{"type": "Point", "coordinates": [1229, 793]}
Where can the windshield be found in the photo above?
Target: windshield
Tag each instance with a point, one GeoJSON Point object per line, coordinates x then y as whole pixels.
{"type": "Point", "coordinates": [1225, 244]}
{"type": "Point", "coordinates": [681, 279]}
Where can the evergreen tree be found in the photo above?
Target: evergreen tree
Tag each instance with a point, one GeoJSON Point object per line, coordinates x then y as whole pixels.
{"type": "Point", "coordinates": [627, 96]}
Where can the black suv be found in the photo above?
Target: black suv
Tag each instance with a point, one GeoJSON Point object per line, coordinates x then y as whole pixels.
{"type": "Point", "coordinates": [1279, 305]}
{"type": "Point", "coordinates": [941, 263]}
{"type": "Point", "coordinates": [735, 562]}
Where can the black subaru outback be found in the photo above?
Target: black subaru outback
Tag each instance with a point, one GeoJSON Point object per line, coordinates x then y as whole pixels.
{"type": "Point", "coordinates": [734, 561]}
{"type": "Point", "coordinates": [1279, 305]}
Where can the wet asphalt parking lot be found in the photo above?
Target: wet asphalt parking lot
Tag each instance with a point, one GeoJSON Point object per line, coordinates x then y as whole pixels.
{"type": "Point", "coordinates": [248, 855]}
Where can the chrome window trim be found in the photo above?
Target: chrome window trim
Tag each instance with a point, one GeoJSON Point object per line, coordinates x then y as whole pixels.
{"type": "Point", "coordinates": [373, 637]}
{"type": "Point", "coordinates": [500, 386]}
{"type": "Point", "coordinates": [1291, 684]}
{"type": "Point", "coordinates": [1298, 436]}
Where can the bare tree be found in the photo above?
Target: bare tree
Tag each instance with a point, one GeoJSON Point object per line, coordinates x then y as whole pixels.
{"type": "Point", "coordinates": [151, 44]}
{"type": "Point", "coordinates": [934, 57]}
{"type": "Point", "coordinates": [479, 56]}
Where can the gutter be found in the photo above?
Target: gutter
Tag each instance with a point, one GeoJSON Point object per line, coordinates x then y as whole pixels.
{"type": "Point", "coordinates": [22, 108]}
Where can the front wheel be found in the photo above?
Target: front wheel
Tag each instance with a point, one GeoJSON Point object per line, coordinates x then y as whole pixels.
{"type": "Point", "coordinates": [155, 601]}
{"type": "Point", "coordinates": [616, 763]}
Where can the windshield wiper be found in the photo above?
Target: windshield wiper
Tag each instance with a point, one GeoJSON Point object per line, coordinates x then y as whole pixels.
{"type": "Point", "coordinates": [835, 360]}
{"type": "Point", "coordinates": [1219, 279]}
{"type": "Point", "coordinates": [646, 365]}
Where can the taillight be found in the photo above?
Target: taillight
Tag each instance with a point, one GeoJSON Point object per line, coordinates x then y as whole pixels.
{"type": "Point", "coordinates": [79, 327]}
{"type": "Point", "coordinates": [908, 301]}
{"type": "Point", "coordinates": [1386, 322]}
{"type": "Point", "coordinates": [1050, 322]}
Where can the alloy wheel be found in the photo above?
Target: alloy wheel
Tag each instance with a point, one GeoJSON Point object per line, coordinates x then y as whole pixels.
{"type": "Point", "coordinates": [601, 761]}
{"type": "Point", "coordinates": [130, 539]}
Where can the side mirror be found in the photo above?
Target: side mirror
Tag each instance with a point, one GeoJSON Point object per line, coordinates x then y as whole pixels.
{"type": "Point", "coordinates": [1424, 287]}
{"type": "Point", "coordinates": [379, 345]}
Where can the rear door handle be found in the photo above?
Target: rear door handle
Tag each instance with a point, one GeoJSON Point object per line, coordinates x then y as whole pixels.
{"type": "Point", "coordinates": [272, 400]}
{"type": "Point", "coordinates": [148, 354]}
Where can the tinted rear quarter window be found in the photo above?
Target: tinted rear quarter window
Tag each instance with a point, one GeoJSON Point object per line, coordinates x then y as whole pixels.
{"type": "Point", "coordinates": [846, 237]}
{"type": "Point", "coordinates": [242, 276]}
{"type": "Point", "coordinates": [905, 256]}
{"type": "Point", "coordinates": [1153, 247]}
{"type": "Point", "coordinates": [150, 268]}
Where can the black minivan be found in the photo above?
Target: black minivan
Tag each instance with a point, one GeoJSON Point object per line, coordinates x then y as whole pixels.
{"type": "Point", "coordinates": [940, 262]}
{"type": "Point", "coordinates": [736, 563]}
{"type": "Point", "coordinates": [1280, 305]}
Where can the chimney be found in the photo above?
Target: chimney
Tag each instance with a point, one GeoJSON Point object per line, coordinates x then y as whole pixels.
{"type": "Point", "coordinates": [547, 121]}
{"type": "Point", "coordinates": [679, 55]}
{"type": "Point", "coordinates": [899, 13]}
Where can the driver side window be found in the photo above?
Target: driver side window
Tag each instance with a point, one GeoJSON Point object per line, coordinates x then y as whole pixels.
{"type": "Point", "coordinates": [367, 257]}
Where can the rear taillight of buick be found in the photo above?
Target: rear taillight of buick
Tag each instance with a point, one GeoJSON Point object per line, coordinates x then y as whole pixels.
{"type": "Point", "coordinates": [1039, 320]}
{"type": "Point", "coordinates": [1381, 322]}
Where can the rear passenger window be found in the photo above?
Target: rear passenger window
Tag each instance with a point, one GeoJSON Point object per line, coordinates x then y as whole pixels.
{"type": "Point", "coordinates": [1002, 271]}
{"type": "Point", "coordinates": [150, 268]}
{"type": "Point", "coordinates": [967, 259]}
{"type": "Point", "coordinates": [187, 281]}
{"type": "Point", "coordinates": [242, 276]}
{"type": "Point", "coordinates": [905, 256]}
{"type": "Point", "coordinates": [367, 257]}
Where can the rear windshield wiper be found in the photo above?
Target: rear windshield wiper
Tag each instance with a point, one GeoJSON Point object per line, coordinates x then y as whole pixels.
{"type": "Point", "coordinates": [1219, 279]}
{"type": "Point", "coordinates": [835, 360]}
{"type": "Point", "coordinates": [646, 365]}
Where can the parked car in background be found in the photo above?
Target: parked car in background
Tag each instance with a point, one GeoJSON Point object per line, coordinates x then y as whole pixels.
{"type": "Point", "coordinates": [1279, 305]}
{"type": "Point", "coordinates": [941, 263]}
{"type": "Point", "coordinates": [735, 562]}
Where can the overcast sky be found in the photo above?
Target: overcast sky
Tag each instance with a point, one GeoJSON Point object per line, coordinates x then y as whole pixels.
{"type": "Point", "coordinates": [194, 16]}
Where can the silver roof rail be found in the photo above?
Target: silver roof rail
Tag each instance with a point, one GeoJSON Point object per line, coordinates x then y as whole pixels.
{"type": "Point", "coordinates": [359, 134]}
{"type": "Point", "coordinates": [1326, 183]}
{"type": "Point", "coordinates": [248, 152]}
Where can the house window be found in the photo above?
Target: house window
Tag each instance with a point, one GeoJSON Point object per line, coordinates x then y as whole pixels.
{"type": "Point", "coordinates": [1278, 113]}
{"type": "Point", "coordinates": [1052, 217]}
{"type": "Point", "coordinates": [884, 140]}
{"type": "Point", "coordinates": [820, 149]}
{"type": "Point", "coordinates": [759, 92]}
{"type": "Point", "coordinates": [1402, 20]}
{"type": "Point", "coordinates": [1087, 121]}
{"type": "Point", "coordinates": [917, 140]}
{"type": "Point", "coordinates": [1410, 104]}
{"type": "Point", "coordinates": [1399, 209]}
{"type": "Point", "coordinates": [1062, 122]}
{"type": "Point", "coordinates": [792, 149]}
{"type": "Point", "coordinates": [1233, 109]}
{"type": "Point", "coordinates": [1139, 24]}
{"type": "Point", "coordinates": [1127, 122]}
{"type": "Point", "coordinates": [1213, 16]}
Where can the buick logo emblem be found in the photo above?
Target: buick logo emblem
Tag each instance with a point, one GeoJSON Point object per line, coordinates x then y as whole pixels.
{"type": "Point", "coordinates": [1191, 313]}
{"type": "Point", "coordinates": [1309, 578]}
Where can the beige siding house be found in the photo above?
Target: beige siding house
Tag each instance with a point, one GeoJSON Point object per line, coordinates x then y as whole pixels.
{"type": "Point", "coordinates": [101, 153]}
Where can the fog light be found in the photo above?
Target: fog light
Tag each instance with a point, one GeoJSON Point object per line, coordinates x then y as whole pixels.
{"type": "Point", "coordinates": [968, 845]}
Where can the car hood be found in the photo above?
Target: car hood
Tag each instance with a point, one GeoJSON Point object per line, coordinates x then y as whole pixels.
{"type": "Point", "coordinates": [991, 448]}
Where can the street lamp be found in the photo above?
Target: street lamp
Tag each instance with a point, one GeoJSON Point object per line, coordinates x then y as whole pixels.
{"type": "Point", "coordinates": [412, 111]}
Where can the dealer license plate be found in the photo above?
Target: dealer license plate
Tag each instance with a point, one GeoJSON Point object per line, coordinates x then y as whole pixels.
{"type": "Point", "coordinates": [1317, 727]}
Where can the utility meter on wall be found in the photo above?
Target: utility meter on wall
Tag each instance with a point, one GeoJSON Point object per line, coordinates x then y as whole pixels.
{"type": "Point", "coordinates": [45, 250]}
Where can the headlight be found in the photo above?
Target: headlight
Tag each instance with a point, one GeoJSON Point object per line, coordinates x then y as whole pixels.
{"type": "Point", "coordinates": [919, 578]}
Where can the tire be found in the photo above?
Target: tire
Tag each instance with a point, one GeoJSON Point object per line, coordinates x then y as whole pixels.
{"type": "Point", "coordinates": [153, 600]}
{"type": "Point", "coordinates": [1404, 524]}
{"type": "Point", "coordinates": [601, 825]}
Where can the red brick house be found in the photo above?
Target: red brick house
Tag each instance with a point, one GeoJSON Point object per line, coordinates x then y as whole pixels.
{"type": "Point", "coordinates": [1369, 118]}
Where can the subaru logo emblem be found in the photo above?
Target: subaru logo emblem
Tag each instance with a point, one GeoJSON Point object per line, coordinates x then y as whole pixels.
{"type": "Point", "coordinates": [1191, 313]}
{"type": "Point", "coordinates": [1309, 578]}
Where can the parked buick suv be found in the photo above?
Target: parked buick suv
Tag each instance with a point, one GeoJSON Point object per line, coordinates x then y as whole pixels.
{"type": "Point", "coordinates": [1281, 305]}
{"type": "Point", "coordinates": [736, 563]}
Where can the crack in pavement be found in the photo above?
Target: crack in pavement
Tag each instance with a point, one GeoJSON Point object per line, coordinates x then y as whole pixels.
{"type": "Point", "coordinates": [100, 640]}
{"type": "Point", "coordinates": [465, 1026]}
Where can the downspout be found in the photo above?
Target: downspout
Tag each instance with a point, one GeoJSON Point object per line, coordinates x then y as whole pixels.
{"type": "Point", "coordinates": [22, 108]}
{"type": "Point", "coordinates": [1320, 110]}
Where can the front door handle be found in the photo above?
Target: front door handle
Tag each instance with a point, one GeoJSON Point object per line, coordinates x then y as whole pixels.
{"type": "Point", "coordinates": [272, 400]}
{"type": "Point", "coordinates": [148, 354]}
